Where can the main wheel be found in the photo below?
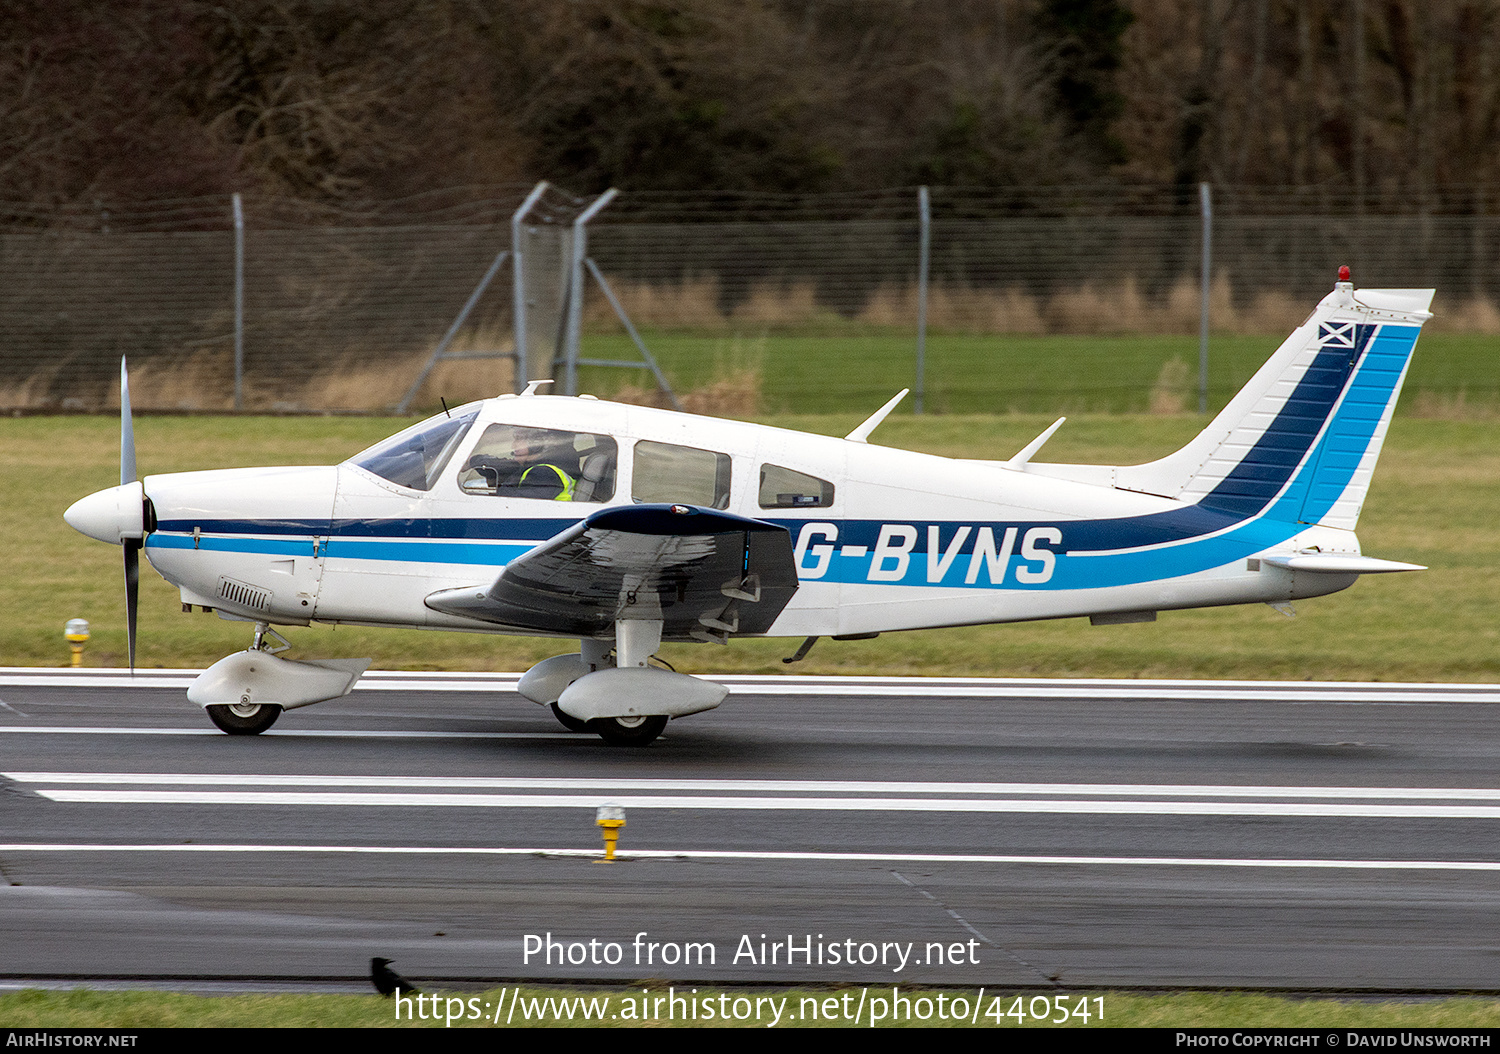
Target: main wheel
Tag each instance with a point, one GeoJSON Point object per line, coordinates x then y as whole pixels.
{"type": "Point", "coordinates": [628, 731]}
{"type": "Point", "coordinates": [244, 719]}
{"type": "Point", "coordinates": [568, 721]}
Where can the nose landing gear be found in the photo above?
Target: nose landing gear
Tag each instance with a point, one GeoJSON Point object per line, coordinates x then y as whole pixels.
{"type": "Point", "coordinates": [244, 719]}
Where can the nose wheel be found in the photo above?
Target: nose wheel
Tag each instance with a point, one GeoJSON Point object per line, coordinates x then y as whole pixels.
{"type": "Point", "coordinates": [244, 719]}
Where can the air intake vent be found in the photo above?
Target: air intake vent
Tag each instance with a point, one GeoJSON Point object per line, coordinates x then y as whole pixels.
{"type": "Point", "coordinates": [243, 595]}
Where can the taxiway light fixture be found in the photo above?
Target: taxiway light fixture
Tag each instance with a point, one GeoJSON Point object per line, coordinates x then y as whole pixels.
{"type": "Point", "coordinates": [610, 819]}
{"type": "Point", "coordinates": [77, 634]}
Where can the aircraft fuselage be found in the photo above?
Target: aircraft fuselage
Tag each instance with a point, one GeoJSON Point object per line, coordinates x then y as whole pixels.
{"type": "Point", "coordinates": [885, 539]}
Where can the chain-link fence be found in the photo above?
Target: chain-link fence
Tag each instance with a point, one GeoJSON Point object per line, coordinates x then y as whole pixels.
{"type": "Point", "coordinates": [342, 308]}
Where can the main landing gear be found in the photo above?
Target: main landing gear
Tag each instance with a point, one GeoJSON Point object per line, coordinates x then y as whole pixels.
{"type": "Point", "coordinates": [634, 731]}
{"type": "Point", "coordinates": [625, 702]}
{"type": "Point", "coordinates": [568, 721]}
{"type": "Point", "coordinates": [628, 731]}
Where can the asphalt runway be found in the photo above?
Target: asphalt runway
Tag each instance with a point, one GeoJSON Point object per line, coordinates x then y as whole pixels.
{"type": "Point", "coordinates": [1009, 834]}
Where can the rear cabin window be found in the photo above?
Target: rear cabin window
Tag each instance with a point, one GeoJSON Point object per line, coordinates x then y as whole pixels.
{"type": "Point", "coordinates": [665, 472]}
{"type": "Point", "coordinates": [516, 461]}
{"type": "Point", "coordinates": [785, 488]}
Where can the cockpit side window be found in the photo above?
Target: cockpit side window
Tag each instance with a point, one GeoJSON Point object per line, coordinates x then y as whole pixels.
{"type": "Point", "coordinates": [665, 472]}
{"type": "Point", "coordinates": [518, 461]}
{"type": "Point", "coordinates": [416, 457]}
{"type": "Point", "coordinates": [785, 488]}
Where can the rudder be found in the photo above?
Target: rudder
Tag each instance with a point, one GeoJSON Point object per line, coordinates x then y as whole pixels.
{"type": "Point", "coordinates": [1300, 440]}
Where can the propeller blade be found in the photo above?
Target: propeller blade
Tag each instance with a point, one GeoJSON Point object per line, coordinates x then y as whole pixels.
{"type": "Point", "coordinates": [132, 594]}
{"type": "Point", "coordinates": [132, 546]}
{"type": "Point", "coordinates": [127, 428]}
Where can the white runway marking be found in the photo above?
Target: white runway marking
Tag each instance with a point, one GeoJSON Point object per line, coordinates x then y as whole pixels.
{"type": "Point", "coordinates": [309, 733]}
{"type": "Point", "coordinates": [376, 799]}
{"type": "Point", "coordinates": [774, 786]}
{"type": "Point", "coordinates": [760, 684]}
{"type": "Point", "coordinates": [137, 788]}
{"type": "Point", "coordinates": [769, 855]}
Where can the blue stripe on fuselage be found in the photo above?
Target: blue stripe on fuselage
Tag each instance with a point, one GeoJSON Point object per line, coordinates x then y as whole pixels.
{"type": "Point", "coordinates": [396, 527]}
{"type": "Point", "coordinates": [494, 554]}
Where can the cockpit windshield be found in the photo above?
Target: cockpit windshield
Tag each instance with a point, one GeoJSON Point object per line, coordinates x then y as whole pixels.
{"type": "Point", "coordinates": [414, 458]}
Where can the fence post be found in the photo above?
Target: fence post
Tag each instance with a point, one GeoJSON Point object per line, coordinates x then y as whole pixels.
{"type": "Point", "coordinates": [518, 287]}
{"type": "Point", "coordinates": [574, 306]}
{"type": "Point", "coordinates": [1207, 210]}
{"type": "Point", "coordinates": [924, 257]}
{"type": "Point", "coordinates": [441, 351]}
{"type": "Point", "coordinates": [239, 304]}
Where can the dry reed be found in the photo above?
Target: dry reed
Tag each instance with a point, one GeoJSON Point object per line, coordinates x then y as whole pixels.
{"type": "Point", "coordinates": [202, 380]}
{"type": "Point", "coordinates": [1090, 309]}
{"type": "Point", "coordinates": [1170, 393]}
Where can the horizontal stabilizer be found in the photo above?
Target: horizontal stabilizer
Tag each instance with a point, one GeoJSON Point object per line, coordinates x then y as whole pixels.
{"type": "Point", "coordinates": [1339, 564]}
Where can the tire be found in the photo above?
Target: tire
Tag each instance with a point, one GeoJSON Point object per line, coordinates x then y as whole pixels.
{"type": "Point", "coordinates": [240, 719]}
{"type": "Point", "coordinates": [568, 721]}
{"type": "Point", "coordinates": [628, 731]}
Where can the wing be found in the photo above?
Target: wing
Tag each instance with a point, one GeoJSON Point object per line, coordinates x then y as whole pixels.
{"type": "Point", "coordinates": [704, 574]}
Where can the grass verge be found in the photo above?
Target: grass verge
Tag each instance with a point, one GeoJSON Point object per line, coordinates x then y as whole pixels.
{"type": "Point", "coordinates": [804, 1008]}
{"type": "Point", "coordinates": [1452, 374]}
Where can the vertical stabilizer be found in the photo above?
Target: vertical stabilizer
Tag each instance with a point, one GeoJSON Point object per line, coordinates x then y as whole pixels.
{"type": "Point", "coordinates": [1307, 430]}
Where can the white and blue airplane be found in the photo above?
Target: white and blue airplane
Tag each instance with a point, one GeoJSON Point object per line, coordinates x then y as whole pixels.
{"type": "Point", "coordinates": [624, 526]}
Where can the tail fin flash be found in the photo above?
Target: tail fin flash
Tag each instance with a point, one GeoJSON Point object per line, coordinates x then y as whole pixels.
{"type": "Point", "coordinates": [1300, 441]}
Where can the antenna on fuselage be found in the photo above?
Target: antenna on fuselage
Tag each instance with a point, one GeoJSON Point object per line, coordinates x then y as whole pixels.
{"type": "Point", "coordinates": [862, 433]}
{"type": "Point", "coordinates": [532, 386]}
{"type": "Point", "coordinates": [1019, 461]}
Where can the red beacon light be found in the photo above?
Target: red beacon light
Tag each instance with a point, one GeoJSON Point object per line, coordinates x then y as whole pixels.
{"type": "Point", "coordinates": [1344, 274]}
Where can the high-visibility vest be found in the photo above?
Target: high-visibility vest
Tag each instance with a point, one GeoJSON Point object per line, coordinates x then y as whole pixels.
{"type": "Point", "coordinates": [568, 482]}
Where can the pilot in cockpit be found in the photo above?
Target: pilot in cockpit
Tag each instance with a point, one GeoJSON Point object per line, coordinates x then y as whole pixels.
{"type": "Point", "coordinates": [536, 466]}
